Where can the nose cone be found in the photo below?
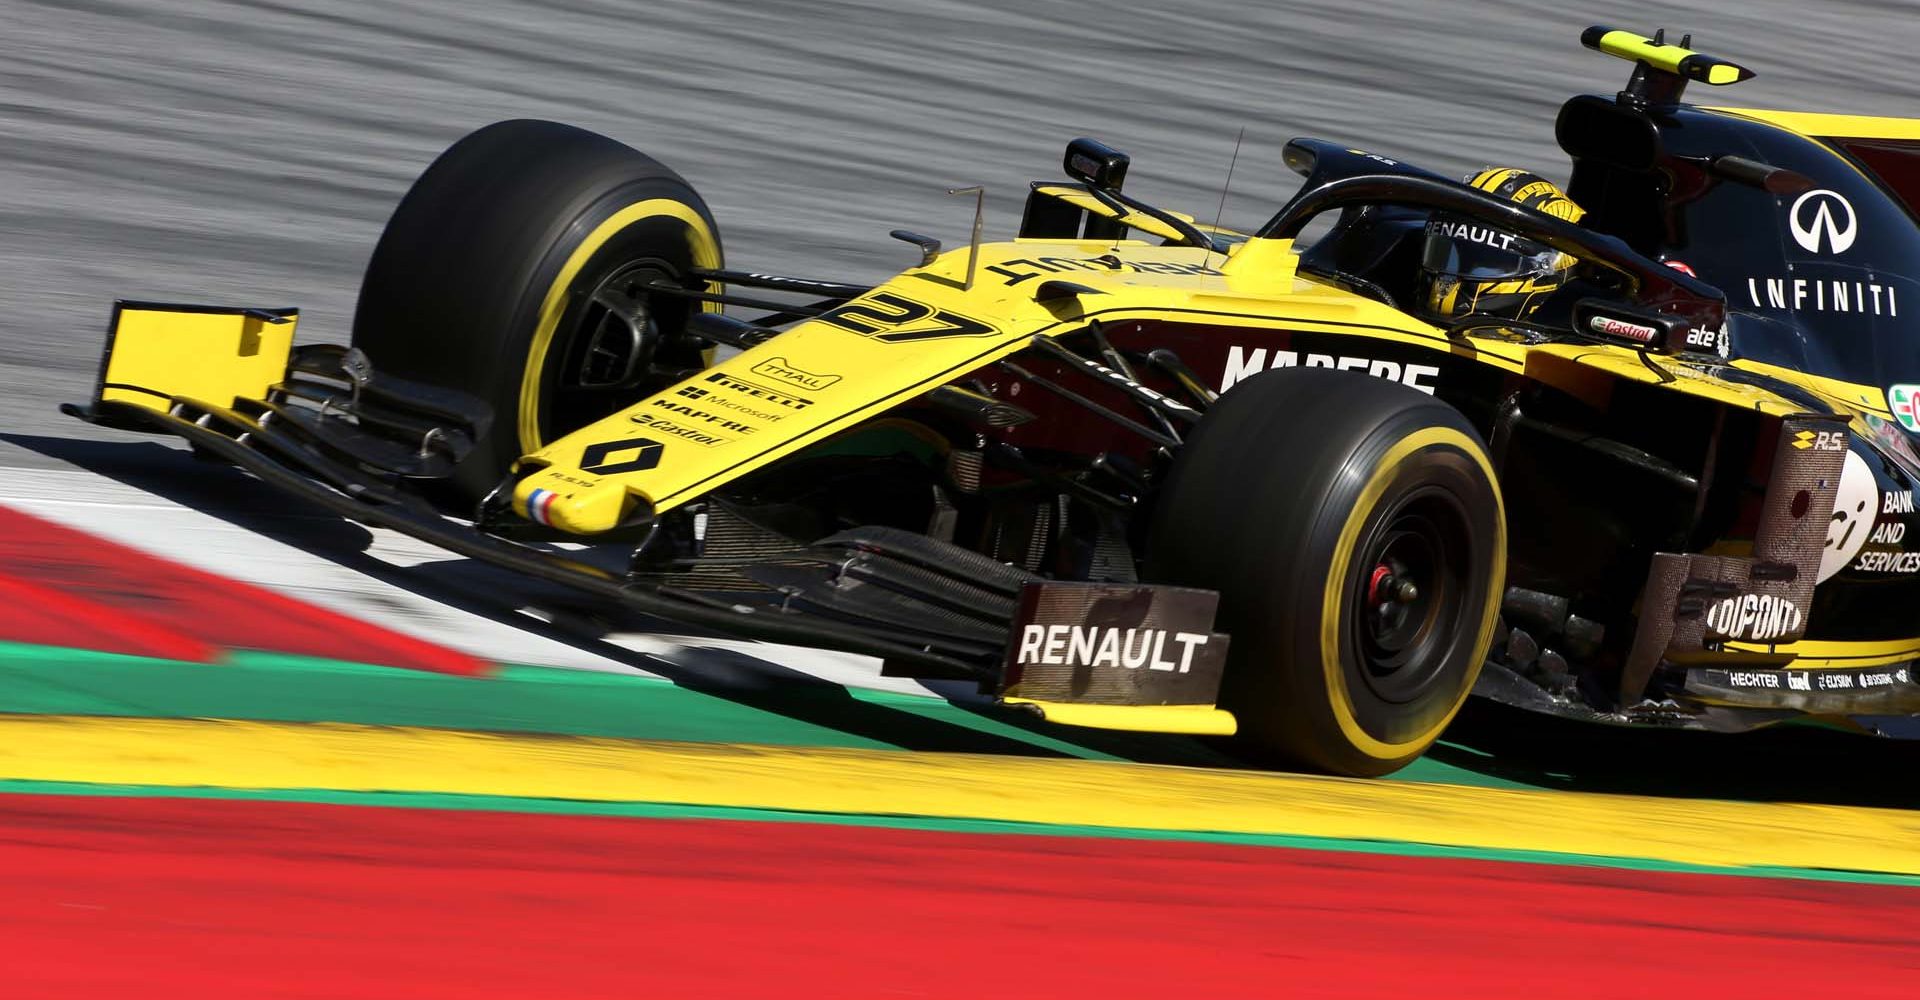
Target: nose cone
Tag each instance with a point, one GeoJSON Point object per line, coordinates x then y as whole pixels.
{"type": "Point", "coordinates": [574, 504]}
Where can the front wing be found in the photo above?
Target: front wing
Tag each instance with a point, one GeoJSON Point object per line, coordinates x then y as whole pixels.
{"type": "Point", "coordinates": [320, 424]}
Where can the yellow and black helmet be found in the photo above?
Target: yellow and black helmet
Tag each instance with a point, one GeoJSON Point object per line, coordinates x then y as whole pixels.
{"type": "Point", "coordinates": [1469, 267]}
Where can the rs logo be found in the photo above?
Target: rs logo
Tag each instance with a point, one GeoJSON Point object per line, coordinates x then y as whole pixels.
{"type": "Point", "coordinates": [1821, 440]}
{"type": "Point", "coordinates": [887, 310]}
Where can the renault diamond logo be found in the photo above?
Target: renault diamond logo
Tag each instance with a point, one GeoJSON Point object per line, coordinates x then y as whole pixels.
{"type": "Point", "coordinates": [613, 457]}
{"type": "Point", "coordinates": [1823, 214]}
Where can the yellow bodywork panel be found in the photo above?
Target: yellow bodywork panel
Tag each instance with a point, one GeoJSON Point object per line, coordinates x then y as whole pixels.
{"type": "Point", "coordinates": [1555, 364]}
{"type": "Point", "coordinates": [819, 377]}
{"type": "Point", "coordinates": [1815, 654]}
{"type": "Point", "coordinates": [1847, 395]}
{"type": "Point", "coordinates": [1079, 198]}
{"type": "Point", "coordinates": [1263, 265]}
{"type": "Point", "coordinates": [925, 328]}
{"type": "Point", "coordinates": [206, 353]}
{"type": "Point", "coordinates": [916, 332]}
{"type": "Point", "coordinates": [1834, 126]}
{"type": "Point", "coordinates": [1188, 720]}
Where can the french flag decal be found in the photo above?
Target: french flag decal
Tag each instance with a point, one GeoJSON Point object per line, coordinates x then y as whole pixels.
{"type": "Point", "coordinates": [538, 504]}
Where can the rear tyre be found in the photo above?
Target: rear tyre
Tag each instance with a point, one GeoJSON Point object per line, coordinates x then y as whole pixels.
{"type": "Point", "coordinates": [1354, 530]}
{"type": "Point", "coordinates": [495, 274]}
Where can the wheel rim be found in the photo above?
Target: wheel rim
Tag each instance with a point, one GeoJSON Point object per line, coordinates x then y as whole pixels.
{"type": "Point", "coordinates": [611, 350]}
{"type": "Point", "coordinates": [1410, 598]}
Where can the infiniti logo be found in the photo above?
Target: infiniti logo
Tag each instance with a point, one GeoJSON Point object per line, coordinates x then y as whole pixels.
{"type": "Point", "coordinates": [1819, 213]}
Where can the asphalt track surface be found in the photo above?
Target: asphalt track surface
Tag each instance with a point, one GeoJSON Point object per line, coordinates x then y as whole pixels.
{"type": "Point", "coordinates": [248, 152]}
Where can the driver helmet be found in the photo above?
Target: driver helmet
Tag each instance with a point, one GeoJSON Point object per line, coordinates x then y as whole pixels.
{"type": "Point", "coordinates": [1470, 267]}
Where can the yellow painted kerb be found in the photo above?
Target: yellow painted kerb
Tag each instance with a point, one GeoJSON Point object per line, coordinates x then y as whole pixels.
{"type": "Point", "coordinates": [261, 755]}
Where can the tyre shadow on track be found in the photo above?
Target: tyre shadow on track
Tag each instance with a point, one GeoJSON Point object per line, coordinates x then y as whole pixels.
{"type": "Point", "coordinates": [476, 588]}
{"type": "Point", "coordinates": [1488, 744]}
{"type": "Point", "coordinates": [1796, 762]}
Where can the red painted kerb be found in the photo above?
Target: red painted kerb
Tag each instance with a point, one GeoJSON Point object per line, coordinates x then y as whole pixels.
{"type": "Point", "coordinates": [119, 599]}
{"type": "Point", "coordinates": [110, 897]}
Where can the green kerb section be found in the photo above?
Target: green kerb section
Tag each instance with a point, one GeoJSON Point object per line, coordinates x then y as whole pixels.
{"type": "Point", "coordinates": [797, 711]}
{"type": "Point", "coordinates": [654, 810]}
{"type": "Point", "coordinates": [785, 712]}
{"type": "Point", "coordinates": [277, 688]}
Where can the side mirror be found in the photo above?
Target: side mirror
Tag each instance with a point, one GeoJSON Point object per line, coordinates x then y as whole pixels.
{"type": "Point", "coordinates": [1097, 164]}
{"type": "Point", "coordinates": [1592, 128]}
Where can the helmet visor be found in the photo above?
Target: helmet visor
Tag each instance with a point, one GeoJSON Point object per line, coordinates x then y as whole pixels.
{"type": "Point", "coordinates": [1463, 249]}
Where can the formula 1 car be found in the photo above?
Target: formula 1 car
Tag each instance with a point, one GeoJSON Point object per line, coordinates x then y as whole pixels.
{"type": "Point", "coordinates": [1131, 471]}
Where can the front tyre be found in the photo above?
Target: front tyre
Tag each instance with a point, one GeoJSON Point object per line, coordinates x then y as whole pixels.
{"type": "Point", "coordinates": [1354, 529]}
{"type": "Point", "coordinates": [518, 269]}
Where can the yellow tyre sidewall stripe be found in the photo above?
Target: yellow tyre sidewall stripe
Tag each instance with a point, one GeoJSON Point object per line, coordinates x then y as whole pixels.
{"type": "Point", "coordinates": [706, 253]}
{"type": "Point", "coordinates": [1333, 604]}
{"type": "Point", "coordinates": [259, 755]}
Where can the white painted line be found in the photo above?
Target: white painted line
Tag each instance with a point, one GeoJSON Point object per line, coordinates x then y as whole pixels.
{"type": "Point", "coordinates": [320, 569]}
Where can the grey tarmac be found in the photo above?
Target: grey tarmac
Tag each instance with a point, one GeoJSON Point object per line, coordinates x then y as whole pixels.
{"type": "Point", "coordinates": [248, 152]}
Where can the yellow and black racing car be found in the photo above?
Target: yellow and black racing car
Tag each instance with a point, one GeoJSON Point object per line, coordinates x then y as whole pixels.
{"type": "Point", "coordinates": [1640, 450]}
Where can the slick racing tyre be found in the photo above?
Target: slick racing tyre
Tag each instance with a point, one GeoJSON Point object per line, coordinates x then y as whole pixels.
{"type": "Point", "coordinates": [517, 270]}
{"type": "Point", "coordinates": [1354, 530]}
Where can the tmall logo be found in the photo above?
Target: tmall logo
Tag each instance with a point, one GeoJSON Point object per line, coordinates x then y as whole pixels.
{"type": "Point", "coordinates": [1823, 216]}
